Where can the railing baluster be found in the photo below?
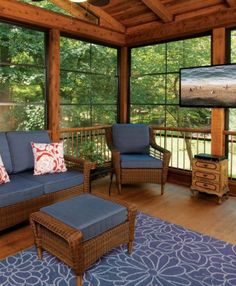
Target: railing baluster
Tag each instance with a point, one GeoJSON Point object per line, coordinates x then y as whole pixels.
{"type": "Point", "coordinates": [184, 149]}
{"type": "Point", "coordinates": [231, 155]}
{"type": "Point", "coordinates": [172, 147]}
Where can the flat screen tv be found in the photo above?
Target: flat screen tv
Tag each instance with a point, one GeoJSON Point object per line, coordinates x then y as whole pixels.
{"type": "Point", "coordinates": [208, 86]}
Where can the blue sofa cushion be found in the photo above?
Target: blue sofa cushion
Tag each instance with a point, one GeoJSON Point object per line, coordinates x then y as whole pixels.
{"type": "Point", "coordinates": [19, 189]}
{"type": "Point", "coordinates": [131, 138]}
{"type": "Point", "coordinates": [20, 148]}
{"type": "Point", "coordinates": [140, 161]}
{"type": "Point", "coordinates": [90, 214]}
{"type": "Point", "coordinates": [57, 181]}
{"type": "Point", "coordinates": [5, 152]}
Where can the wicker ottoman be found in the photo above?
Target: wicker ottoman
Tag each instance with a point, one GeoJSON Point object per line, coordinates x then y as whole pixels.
{"type": "Point", "coordinates": [80, 230]}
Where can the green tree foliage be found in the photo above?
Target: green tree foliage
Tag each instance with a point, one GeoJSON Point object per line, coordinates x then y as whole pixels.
{"type": "Point", "coordinates": [88, 83]}
{"type": "Point", "coordinates": [155, 82]}
{"type": "Point", "coordinates": [22, 78]}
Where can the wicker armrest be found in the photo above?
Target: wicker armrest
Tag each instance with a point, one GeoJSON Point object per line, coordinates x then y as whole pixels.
{"type": "Point", "coordinates": [83, 166]}
{"type": "Point", "coordinates": [63, 230]}
{"type": "Point", "coordinates": [159, 148]}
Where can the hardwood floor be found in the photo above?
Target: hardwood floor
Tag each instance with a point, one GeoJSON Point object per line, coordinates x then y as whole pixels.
{"type": "Point", "coordinates": [176, 205]}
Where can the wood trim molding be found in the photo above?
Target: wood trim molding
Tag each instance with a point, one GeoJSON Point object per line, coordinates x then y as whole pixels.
{"type": "Point", "coordinates": [159, 9]}
{"type": "Point", "coordinates": [26, 13]}
{"type": "Point", "coordinates": [154, 32]}
{"type": "Point", "coordinates": [76, 11]}
{"type": "Point", "coordinates": [105, 19]}
{"type": "Point", "coordinates": [179, 177]}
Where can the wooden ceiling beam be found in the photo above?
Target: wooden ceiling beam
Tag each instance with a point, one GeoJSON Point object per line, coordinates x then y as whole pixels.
{"type": "Point", "coordinates": [29, 14]}
{"type": "Point", "coordinates": [105, 19]}
{"type": "Point", "coordinates": [76, 10]}
{"type": "Point", "coordinates": [159, 9]}
{"type": "Point", "coordinates": [92, 14]}
{"type": "Point", "coordinates": [180, 7]}
{"type": "Point", "coordinates": [231, 3]}
{"type": "Point", "coordinates": [156, 32]}
{"type": "Point", "coordinates": [199, 12]}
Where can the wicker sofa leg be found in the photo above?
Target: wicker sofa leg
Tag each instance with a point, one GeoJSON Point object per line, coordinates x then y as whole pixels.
{"type": "Point", "coordinates": [130, 247]}
{"type": "Point", "coordinates": [162, 188]}
{"type": "Point", "coordinates": [79, 280]}
{"type": "Point", "coordinates": [37, 238]}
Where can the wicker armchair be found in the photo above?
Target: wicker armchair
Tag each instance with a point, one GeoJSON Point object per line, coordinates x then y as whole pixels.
{"type": "Point", "coordinates": [136, 158]}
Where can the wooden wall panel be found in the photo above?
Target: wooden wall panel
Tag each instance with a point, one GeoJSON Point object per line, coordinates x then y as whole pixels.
{"type": "Point", "coordinates": [218, 114]}
{"type": "Point", "coordinates": [54, 84]}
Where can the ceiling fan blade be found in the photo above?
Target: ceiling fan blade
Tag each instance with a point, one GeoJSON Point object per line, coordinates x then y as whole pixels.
{"type": "Point", "coordinates": [98, 2]}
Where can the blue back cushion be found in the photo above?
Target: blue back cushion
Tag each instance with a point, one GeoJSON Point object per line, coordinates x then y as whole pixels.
{"type": "Point", "coordinates": [5, 152]}
{"type": "Point", "coordinates": [20, 148]}
{"type": "Point", "coordinates": [131, 138]}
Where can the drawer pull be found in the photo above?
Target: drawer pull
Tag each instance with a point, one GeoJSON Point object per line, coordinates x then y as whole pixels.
{"type": "Point", "coordinates": [204, 175]}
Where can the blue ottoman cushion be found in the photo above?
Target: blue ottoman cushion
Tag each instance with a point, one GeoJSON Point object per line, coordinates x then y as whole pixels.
{"type": "Point", "coordinates": [131, 138]}
{"type": "Point", "coordinates": [140, 161]}
{"type": "Point", "coordinates": [90, 214]}
{"type": "Point", "coordinates": [20, 148]}
{"type": "Point", "coordinates": [57, 181]}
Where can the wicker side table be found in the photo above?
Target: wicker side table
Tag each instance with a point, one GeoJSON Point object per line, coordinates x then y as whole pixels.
{"type": "Point", "coordinates": [67, 244]}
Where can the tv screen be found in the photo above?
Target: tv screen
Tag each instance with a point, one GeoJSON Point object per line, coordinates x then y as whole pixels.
{"type": "Point", "coordinates": [211, 86]}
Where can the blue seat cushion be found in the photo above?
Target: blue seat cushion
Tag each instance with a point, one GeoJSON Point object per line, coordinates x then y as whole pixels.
{"type": "Point", "coordinates": [19, 189]}
{"type": "Point", "coordinates": [5, 152]}
{"type": "Point", "coordinates": [131, 138]}
{"type": "Point", "coordinates": [20, 148]}
{"type": "Point", "coordinates": [56, 181]}
{"type": "Point", "coordinates": [88, 213]}
{"type": "Point", "coordinates": [140, 161]}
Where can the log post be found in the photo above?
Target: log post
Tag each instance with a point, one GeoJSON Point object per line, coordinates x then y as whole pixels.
{"type": "Point", "coordinates": [54, 84]}
{"type": "Point", "coordinates": [218, 114]}
{"type": "Point", "coordinates": [124, 85]}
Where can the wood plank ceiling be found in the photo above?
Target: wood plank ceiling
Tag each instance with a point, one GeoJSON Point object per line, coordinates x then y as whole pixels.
{"type": "Point", "coordinates": [132, 16]}
{"type": "Point", "coordinates": [125, 14]}
{"type": "Point", "coordinates": [132, 13]}
{"type": "Point", "coordinates": [146, 21]}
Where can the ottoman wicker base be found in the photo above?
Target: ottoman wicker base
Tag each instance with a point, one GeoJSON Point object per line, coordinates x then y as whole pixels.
{"type": "Point", "coordinates": [67, 243]}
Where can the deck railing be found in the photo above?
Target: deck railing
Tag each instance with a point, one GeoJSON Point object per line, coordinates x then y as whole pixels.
{"type": "Point", "coordinates": [183, 143]}
{"type": "Point", "coordinates": [231, 143]}
{"type": "Point", "coordinates": [89, 142]}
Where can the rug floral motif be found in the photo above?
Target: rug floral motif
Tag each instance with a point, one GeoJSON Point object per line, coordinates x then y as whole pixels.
{"type": "Point", "coordinates": [164, 254]}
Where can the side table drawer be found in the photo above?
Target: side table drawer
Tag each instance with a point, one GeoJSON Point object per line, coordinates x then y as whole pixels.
{"type": "Point", "coordinates": [206, 165]}
{"type": "Point", "coordinates": [203, 186]}
{"type": "Point", "coordinates": [208, 176]}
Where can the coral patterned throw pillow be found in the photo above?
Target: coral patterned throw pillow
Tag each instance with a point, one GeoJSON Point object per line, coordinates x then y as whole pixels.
{"type": "Point", "coordinates": [48, 158]}
{"type": "Point", "coordinates": [4, 178]}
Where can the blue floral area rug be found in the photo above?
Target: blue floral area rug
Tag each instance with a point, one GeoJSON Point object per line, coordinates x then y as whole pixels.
{"type": "Point", "coordinates": [164, 254]}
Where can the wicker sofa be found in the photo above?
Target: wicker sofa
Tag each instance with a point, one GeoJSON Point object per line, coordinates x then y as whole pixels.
{"type": "Point", "coordinates": [26, 193]}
